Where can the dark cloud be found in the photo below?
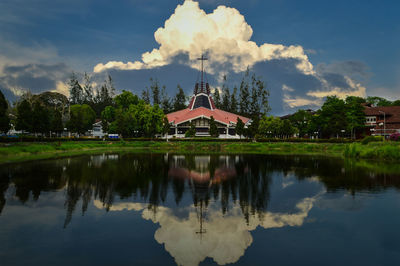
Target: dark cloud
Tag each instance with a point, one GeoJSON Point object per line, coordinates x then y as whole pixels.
{"type": "Point", "coordinates": [33, 77]}
{"type": "Point", "coordinates": [354, 69]}
{"type": "Point", "coordinates": [177, 72]}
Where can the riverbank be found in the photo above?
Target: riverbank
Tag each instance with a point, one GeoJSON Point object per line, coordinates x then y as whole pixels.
{"type": "Point", "coordinates": [13, 152]}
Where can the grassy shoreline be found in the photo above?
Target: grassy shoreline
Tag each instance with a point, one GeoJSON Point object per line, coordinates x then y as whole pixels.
{"type": "Point", "coordinates": [26, 151]}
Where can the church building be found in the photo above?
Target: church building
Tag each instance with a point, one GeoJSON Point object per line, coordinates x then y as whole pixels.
{"type": "Point", "coordinates": [200, 110]}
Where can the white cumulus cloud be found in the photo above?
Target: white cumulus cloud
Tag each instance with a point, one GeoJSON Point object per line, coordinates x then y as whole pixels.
{"type": "Point", "coordinates": [224, 34]}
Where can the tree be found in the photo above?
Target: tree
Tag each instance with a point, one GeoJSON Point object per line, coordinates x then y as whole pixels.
{"type": "Point", "coordinates": [354, 114]}
{"type": "Point", "coordinates": [213, 128]}
{"type": "Point", "coordinates": [234, 103]}
{"type": "Point", "coordinates": [4, 119]}
{"type": "Point", "coordinates": [82, 118]}
{"type": "Point", "coordinates": [146, 96]}
{"type": "Point", "coordinates": [239, 127]}
{"type": "Point", "coordinates": [166, 103]}
{"type": "Point", "coordinates": [217, 98]}
{"type": "Point", "coordinates": [155, 90]}
{"type": "Point", "coordinates": [179, 99]}
{"type": "Point", "coordinates": [56, 124]}
{"type": "Point", "coordinates": [75, 90]}
{"type": "Point", "coordinates": [24, 116]}
{"type": "Point", "coordinates": [125, 99]}
{"type": "Point", "coordinates": [396, 103]}
{"type": "Point", "coordinates": [166, 127]}
{"type": "Point", "coordinates": [271, 126]}
{"type": "Point", "coordinates": [40, 118]}
{"type": "Point", "coordinates": [378, 101]}
{"type": "Point", "coordinates": [226, 97]}
{"type": "Point", "coordinates": [333, 116]}
{"type": "Point", "coordinates": [301, 120]}
{"type": "Point", "coordinates": [191, 132]}
{"type": "Point", "coordinates": [107, 116]}
{"type": "Point", "coordinates": [288, 130]}
{"type": "Point", "coordinates": [244, 95]}
{"type": "Point", "coordinates": [87, 89]}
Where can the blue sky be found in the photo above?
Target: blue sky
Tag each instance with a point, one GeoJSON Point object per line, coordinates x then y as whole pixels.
{"type": "Point", "coordinates": [350, 47]}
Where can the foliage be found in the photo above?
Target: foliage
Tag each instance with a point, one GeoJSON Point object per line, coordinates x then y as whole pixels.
{"type": "Point", "coordinates": [146, 96]}
{"type": "Point", "coordinates": [24, 116]}
{"type": "Point", "coordinates": [226, 98]}
{"type": "Point", "coordinates": [302, 121]}
{"type": "Point", "coordinates": [378, 101]}
{"type": "Point", "coordinates": [191, 132]}
{"type": "Point", "coordinates": [244, 95]}
{"type": "Point", "coordinates": [369, 139]}
{"type": "Point", "coordinates": [166, 103]}
{"type": "Point", "coordinates": [217, 98]}
{"type": "Point", "coordinates": [104, 96]}
{"type": "Point", "coordinates": [234, 102]}
{"type": "Point", "coordinates": [87, 90]}
{"type": "Point", "coordinates": [125, 99]}
{"type": "Point", "coordinates": [132, 117]}
{"type": "Point", "coordinates": [82, 118]}
{"type": "Point", "coordinates": [179, 101]}
{"type": "Point", "coordinates": [271, 126]}
{"type": "Point", "coordinates": [213, 128]}
{"type": "Point", "coordinates": [395, 136]}
{"type": "Point", "coordinates": [75, 90]}
{"type": "Point", "coordinates": [354, 113]}
{"type": "Point", "coordinates": [239, 127]}
{"type": "Point", "coordinates": [373, 150]}
{"type": "Point", "coordinates": [56, 124]}
{"type": "Point", "coordinates": [396, 103]}
{"type": "Point", "coordinates": [40, 118]}
{"type": "Point", "coordinates": [107, 116]}
{"type": "Point", "coordinates": [165, 127]}
{"type": "Point", "coordinates": [332, 114]}
{"type": "Point", "coordinates": [4, 119]}
{"type": "Point", "coordinates": [155, 90]}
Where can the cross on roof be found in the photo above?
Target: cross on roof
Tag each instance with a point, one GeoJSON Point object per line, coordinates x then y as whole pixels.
{"type": "Point", "coordinates": [202, 59]}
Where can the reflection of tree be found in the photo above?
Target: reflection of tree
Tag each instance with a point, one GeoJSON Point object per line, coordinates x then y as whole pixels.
{"type": "Point", "coordinates": [4, 181]}
{"type": "Point", "coordinates": [241, 179]}
{"type": "Point", "coordinates": [33, 178]}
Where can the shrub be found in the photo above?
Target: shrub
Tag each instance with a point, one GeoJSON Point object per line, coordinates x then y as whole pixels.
{"type": "Point", "coordinates": [369, 139]}
{"type": "Point", "coordinates": [395, 136]}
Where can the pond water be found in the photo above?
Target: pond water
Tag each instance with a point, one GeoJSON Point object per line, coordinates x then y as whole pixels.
{"type": "Point", "coordinates": [163, 209]}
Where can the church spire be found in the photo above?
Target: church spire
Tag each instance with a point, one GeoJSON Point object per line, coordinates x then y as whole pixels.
{"type": "Point", "coordinates": [202, 87]}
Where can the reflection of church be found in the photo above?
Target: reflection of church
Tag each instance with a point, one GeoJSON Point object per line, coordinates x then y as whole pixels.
{"type": "Point", "coordinates": [202, 173]}
{"type": "Point", "coordinates": [200, 110]}
{"type": "Point", "coordinates": [202, 169]}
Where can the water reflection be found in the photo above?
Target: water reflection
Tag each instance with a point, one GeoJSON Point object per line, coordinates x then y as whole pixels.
{"type": "Point", "coordinates": [205, 206]}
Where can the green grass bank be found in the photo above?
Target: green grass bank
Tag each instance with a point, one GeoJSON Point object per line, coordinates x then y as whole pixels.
{"type": "Point", "coordinates": [25, 151]}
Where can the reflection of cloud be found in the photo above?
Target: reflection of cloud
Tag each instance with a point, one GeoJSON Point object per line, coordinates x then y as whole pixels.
{"type": "Point", "coordinates": [226, 238]}
{"type": "Point", "coordinates": [344, 202]}
{"type": "Point", "coordinates": [129, 206]}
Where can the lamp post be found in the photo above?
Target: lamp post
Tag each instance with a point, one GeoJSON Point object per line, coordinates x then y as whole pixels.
{"type": "Point", "coordinates": [342, 133]}
{"type": "Point", "coordinates": [384, 123]}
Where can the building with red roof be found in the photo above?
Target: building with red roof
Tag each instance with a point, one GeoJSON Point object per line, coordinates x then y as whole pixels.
{"type": "Point", "coordinates": [200, 110]}
{"type": "Point", "coordinates": [382, 120]}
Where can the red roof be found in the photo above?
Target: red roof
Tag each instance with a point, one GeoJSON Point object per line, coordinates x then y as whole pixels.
{"type": "Point", "coordinates": [392, 113]}
{"type": "Point", "coordinates": [219, 115]}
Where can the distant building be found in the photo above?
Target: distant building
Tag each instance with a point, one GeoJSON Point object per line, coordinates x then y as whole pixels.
{"type": "Point", "coordinates": [200, 110]}
{"type": "Point", "coordinates": [382, 120]}
{"type": "Point", "coordinates": [97, 130]}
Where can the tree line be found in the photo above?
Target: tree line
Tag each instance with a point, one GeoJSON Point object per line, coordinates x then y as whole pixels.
{"type": "Point", "coordinates": [144, 116]}
{"type": "Point", "coordinates": [336, 118]}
